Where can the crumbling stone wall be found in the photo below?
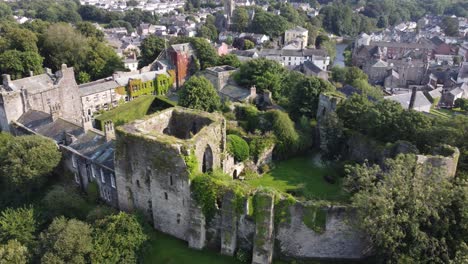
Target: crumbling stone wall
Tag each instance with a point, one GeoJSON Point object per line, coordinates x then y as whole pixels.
{"type": "Point", "coordinates": [152, 175]}
{"type": "Point", "coordinates": [339, 240]}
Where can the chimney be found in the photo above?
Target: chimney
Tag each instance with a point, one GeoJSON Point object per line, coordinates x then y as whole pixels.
{"type": "Point", "coordinates": [6, 80]}
{"type": "Point", "coordinates": [109, 130]}
{"type": "Point", "coordinates": [48, 71]}
{"type": "Point", "coordinates": [253, 91]}
{"type": "Point", "coordinates": [413, 98]}
{"type": "Point", "coordinates": [86, 123]}
{"type": "Point", "coordinates": [55, 111]}
{"type": "Point", "coordinates": [31, 73]}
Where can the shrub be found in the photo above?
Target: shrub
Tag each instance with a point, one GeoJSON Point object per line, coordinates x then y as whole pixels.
{"type": "Point", "coordinates": [283, 128]}
{"type": "Point", "coordinates": [259, 144]}
{"type": "Point", "coordinates": [238, 147]}
{"type": "Point", "coordinates": [93, 192]}
{"type": "Point", "coordinates": [250, 115]}
{"type": "Point", "coordinates": [65, 201]}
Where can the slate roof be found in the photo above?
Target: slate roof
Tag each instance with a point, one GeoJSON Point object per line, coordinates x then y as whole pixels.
{"type": "Point", "coordinates": [312, 67]}
{"type": "Point", "coordinates": [297, 29]}
{"type": "Point", "coordinates": [37, 82]}
{"type": "Point", "coordinates": [95, 147]}
{"type": "Point", "coordinates": [404, 99]}
{"type": "Point", "coordinates": [34, 119]}
{"type": "Point", "coordinates": [98, 86]}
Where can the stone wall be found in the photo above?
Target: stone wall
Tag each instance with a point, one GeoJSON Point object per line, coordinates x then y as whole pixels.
{"type": "Point", "coordinates": [152, 175]}
{"type": "Point", "coordinates": [339, 240]}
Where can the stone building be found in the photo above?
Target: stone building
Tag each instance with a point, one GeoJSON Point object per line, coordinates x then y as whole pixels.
{"type": "Point", "coordinates": [297, 34]}
{"type": "Point", "coordinates": [46, 92]}
{"type": "Point", "coordinates": [151, 169]}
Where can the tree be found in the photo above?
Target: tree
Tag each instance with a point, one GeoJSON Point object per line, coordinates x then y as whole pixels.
{"type": "Point", "coordinates": [412, 214]}
{"type": "Point", "coordinates": [461, 103]}
{"type": "Point", "coordinates": [353, 112]}
{"type": "Point", "coordinates": [304, 98]}
{"type": "Point", "coordinates": [283, 128]}
{"type": "Point", "coordinates": [117, 238]}
{"type": "Point", "coordinates": [28, 161]}
{"type": "Point", "coordinates": [450, 26]}
{"type": "Point", "coordinates": [88, 30]}
{"type": "Point", "coordinates": [13, 253]}
{"type": "Point", "coordinates": [258, 72]}
{"type": "Point", "coordinates": [383, 22]}
{"type": "Point", "coordinates": [18, 224]}
{"type": "Point", "coordinates": [66, 241]}
{"type": "Point", "coordinates": [338, 74]}
{"type": "Point", "coordinates": [199, 93]}
{"type": "Point", "coordinates": [62, 44]}
{"type": "Point", "coordinates": [354, 73]}
{"type": "Point", "coordinates": [101, 60]}
{"type": "Point", "coordinates": [367, 89]}
{"type": "Point", "coordinates": [238, 148]}
{"type": "Point", "coordinates": [150, 49]}
{"type": "Point", "coordinates": [5, 11]}
{"type": "Point", "coordinates": [269, 24]}
{"type": "Point", "coordinates": [205, 53]}
{"type": "Point", "coordinates": [248, 44]}
{"type": "Point", "coordinates": [229, 59]}
{"type": "Point", "coordinates": [62, 201]}
{"type": "Point", "coordinates": [21, 39]}
{"type": "Point", "coordinates": [240, 19]}
{"type": "Point", "coordinates": [10, 62]}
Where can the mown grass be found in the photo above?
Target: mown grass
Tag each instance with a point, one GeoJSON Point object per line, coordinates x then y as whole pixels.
{"type": "Point", "coordinates": [302, 178]}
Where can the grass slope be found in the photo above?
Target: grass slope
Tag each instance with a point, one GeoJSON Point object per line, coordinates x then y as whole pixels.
{"type": "Point", "coordinates": [301, 177]}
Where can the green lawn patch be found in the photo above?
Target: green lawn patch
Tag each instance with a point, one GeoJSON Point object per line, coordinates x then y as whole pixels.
{"type": "Point", "coordinates": [302, 178]}
{"type": "Point", "coordinates": [133, 110]}
{"type": "Point", "coordinates": [165, 249]}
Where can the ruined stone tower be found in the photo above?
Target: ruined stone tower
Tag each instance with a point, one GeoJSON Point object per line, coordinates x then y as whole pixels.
{"type": "Point", "coordinates": [151, 170]}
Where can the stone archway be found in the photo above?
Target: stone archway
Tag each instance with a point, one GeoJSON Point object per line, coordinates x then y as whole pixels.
{"type": "Point", "coordinates": [207, 164]}
{"type": "Point", "coordinates": [234, 175]}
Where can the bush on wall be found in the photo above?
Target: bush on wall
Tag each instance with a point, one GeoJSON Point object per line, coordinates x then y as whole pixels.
{"type": "Point", "coordinates": [238, 147]}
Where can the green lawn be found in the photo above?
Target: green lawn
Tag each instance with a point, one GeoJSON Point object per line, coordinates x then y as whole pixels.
{"type": "Point", "coordinates": [164, 249]}
{"type": "Point", "coordinates": [301, 177]}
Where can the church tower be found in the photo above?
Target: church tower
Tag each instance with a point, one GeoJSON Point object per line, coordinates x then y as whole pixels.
{"type": "Point", "coordinates": [229, 6]}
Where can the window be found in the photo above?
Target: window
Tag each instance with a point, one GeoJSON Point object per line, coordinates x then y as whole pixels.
{"type": "Point", "coordinates": [112, 178]}
{"type": "Point", "coordinates": [74, 161]}
{"type": "Point", "coordinates": [103, 180]}
{"type": "Point", "coordinates": [165, 195]}
{"type": "Point", "coordinates": [87, 99]}
{"type": "Point", "coordinates": [77, 180]}
{"type": "Point", "coordinates": [93, 172]}
{"type": "Point", "coordinates": [170, 180]}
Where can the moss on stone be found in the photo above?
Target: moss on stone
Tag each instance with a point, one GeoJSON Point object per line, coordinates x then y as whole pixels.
{"type": "Point", "coordinates": [315, 218]}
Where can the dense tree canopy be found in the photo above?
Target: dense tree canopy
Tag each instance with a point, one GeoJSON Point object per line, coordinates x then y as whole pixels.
{"type": "Point", "coordinates": [18, 224]}
{"type": "Point", "coordinates": [27, 161]}
{"type": "Point", "coordinates": [66, 241]}
{"type": "Point", "coordinates": [199, 93]}
{"type": "Point", "coordinates": [116, 239]}
{"type": "Point", "coordinates": [412, 215]}
{"type": "Point", "coordinates": [13, 252]}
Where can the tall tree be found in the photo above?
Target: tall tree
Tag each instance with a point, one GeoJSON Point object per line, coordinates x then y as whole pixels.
{"type": "Point", "coordinates": [199, 93]}
{"type": "Point", "coordinates": [240, 19]}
